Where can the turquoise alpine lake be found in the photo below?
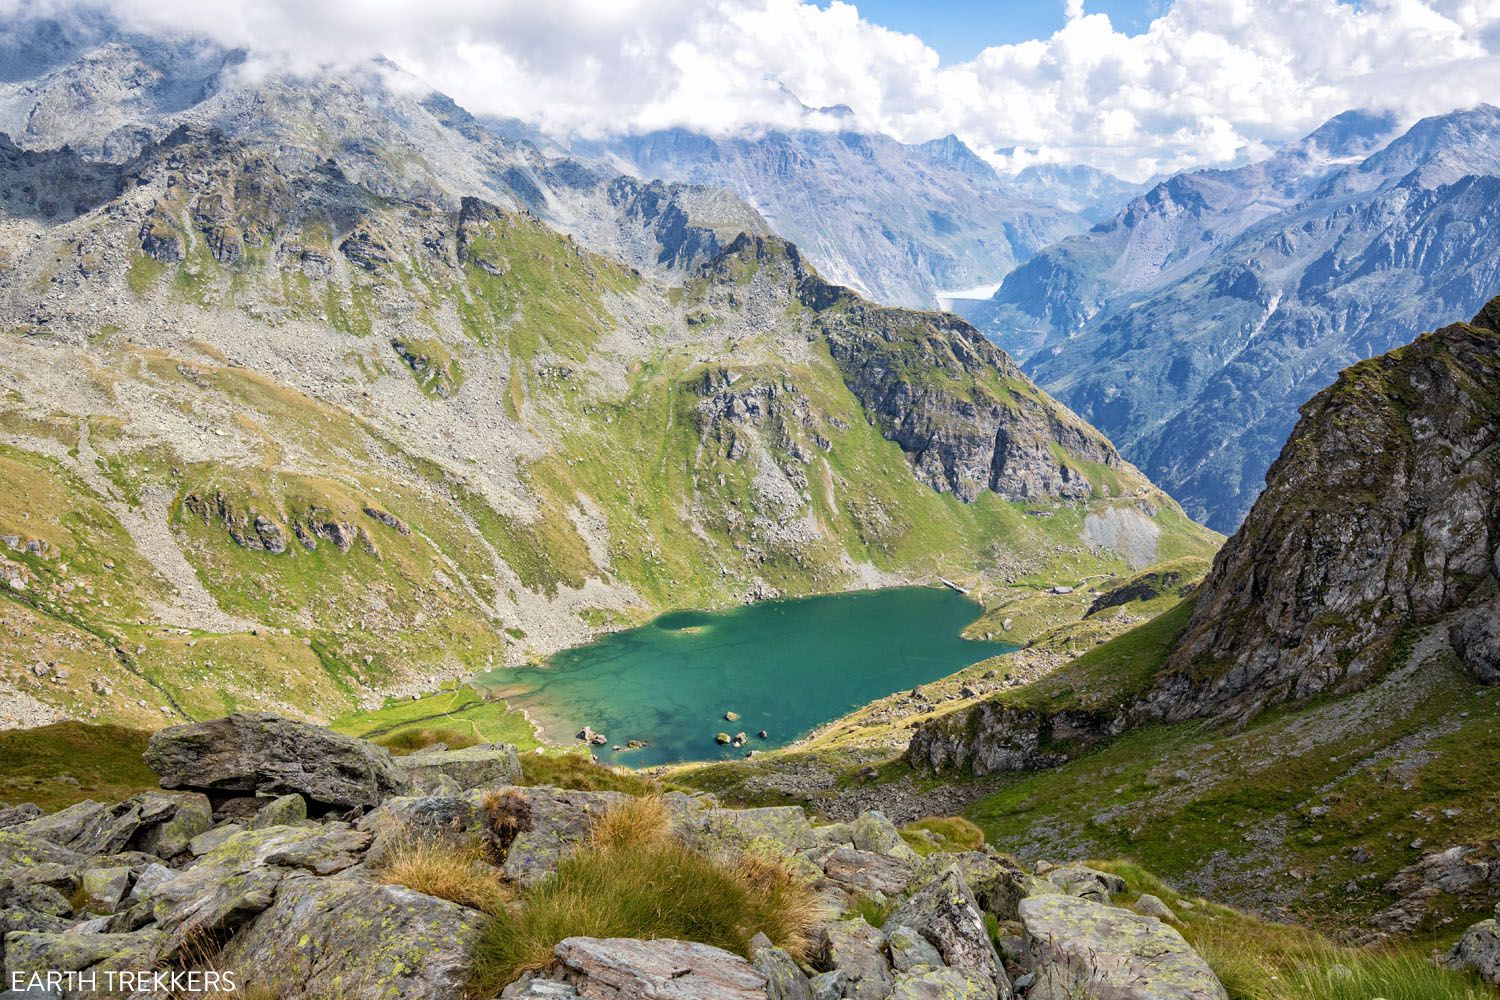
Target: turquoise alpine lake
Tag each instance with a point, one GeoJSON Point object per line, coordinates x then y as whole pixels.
{"type": "Point", "coordinates": [785, 667]}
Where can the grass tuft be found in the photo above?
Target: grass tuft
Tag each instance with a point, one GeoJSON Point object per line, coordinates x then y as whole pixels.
{"type": "Point", "coordinates": [939, 834]}
{"type": "Point", "coordinates": [1259, 960]}
{"type": "Point", "coordinates": [441, 868]}
{"type": "Point", "coordinates": [575, 772]}
{"type": "Point", "coordinates": [636, 880]}
{"type": "Point", "coordinates": [641, 822]}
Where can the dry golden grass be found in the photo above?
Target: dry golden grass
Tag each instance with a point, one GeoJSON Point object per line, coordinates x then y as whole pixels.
{"type": "Point", "coordinates": [635, 879]}
{"type": "Point", "coordinates": [408, 741]}
{"type": "Point", "coordinates": [441, 868]}
{"type": "Point", "coordinates": [1260, 960]}
{"type": "Point", "coordinates": [633, 823]}
{"type": "Point", "coordinates": [576, 771]}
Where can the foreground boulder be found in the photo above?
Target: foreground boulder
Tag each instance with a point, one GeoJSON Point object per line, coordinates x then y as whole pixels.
{"type": "Point", "coordinates": [348, 937]}
{"type": "Point", "coordinates": [947, 916]}
{"type": "Point", "coordinates": [857, 953]}
{"type": "Point", "coordinates": [264, 754]}
{"type": "Point", "coordinates": [628, 969]}
{"type": "Point", "coordinates": [159, 823]}
{"type": "Point", "coordinates": [1479, 949]}
{"type": "Point", "coordinates": [473, 767]}
{"type": "Point", "coordinates": [1079, 948]}
{"type": "Point", "coordinates": [944, 984]}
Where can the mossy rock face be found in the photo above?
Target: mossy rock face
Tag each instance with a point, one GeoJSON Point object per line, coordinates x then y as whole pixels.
{"type": "Point", "coordinates": [781, 829]}
{"type": "Point", "coordinates": [31, 953]}
{"type": "Point", "coordinates": [17, 850]}
{"type": "Point", "coordinates": [474, 767]}
{"type": "Point", "coordinates": [943, 984]}
{"type": "Point", "coordinates": [946, 915]}
{"type": "Point", "coordinates": [637, 970]}
{"type": "Point", "coordinates": [265, 754]}
{"type": "Point", "coordinates": [858, 951]}
{"type": "Point", "coordinates": [345, 936]}
{"type": "Point", "coordinates": [1074, 944]}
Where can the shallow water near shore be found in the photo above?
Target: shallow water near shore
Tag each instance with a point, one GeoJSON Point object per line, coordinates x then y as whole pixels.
{"type": "Point", "coordinates": [785, 667]}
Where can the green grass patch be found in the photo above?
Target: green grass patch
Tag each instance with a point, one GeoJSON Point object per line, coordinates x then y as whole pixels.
{"type": "Point", "coordinates": [1123, 666]}
{"type": "Point", "coordinates": [460, 713]}
{"type": "Point", "coordinates": [144, 273]}
{"type": "Point", "coordinates": [1406, 762]}
{"type": "Point", "coordinates": [636, 880]}
{"type": "Point", "coordinates": [575, 771]}
{"type": "Point", "coordinates": [939, 834]}
{"type": "Point", "coordinates": [66, 762]}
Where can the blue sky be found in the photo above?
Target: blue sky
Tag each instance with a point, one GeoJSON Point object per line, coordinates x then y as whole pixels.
{"type": "Point", "coordinates": [959, 29]}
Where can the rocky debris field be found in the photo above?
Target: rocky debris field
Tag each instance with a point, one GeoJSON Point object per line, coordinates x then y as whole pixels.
{"type": "Point", "coordinates": [264, 856]}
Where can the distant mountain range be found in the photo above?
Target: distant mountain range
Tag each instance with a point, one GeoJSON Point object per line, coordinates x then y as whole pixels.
{"type": "Point", "coordinates": [109, 94]}
{"type": "Point", "coordinates": [901, 223]}
{"type": "Point", "coordinates": [1192, 325]}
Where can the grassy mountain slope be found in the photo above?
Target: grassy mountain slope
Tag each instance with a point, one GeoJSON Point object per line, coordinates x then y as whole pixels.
{"type": "Point", "coordinates": [337, 445]}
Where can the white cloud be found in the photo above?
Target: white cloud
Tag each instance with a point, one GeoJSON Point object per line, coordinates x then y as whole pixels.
{"type": "Point", "coordinates": [1208, 81]}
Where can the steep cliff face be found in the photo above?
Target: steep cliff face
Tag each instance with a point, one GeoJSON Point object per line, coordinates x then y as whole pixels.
{"type": "Point", "coordinates": [1379, 526]}
{"type": "Point", "coordinates": [958, 406]}
{"type": "Point", "coordinates": [1380, 514]}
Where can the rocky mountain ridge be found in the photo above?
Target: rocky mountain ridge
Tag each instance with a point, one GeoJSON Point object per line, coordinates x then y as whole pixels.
{"type": "Point", "coordinates": [86, 84]}
{"type": "Point", "coordinates": [1304, 599]}
{"type": "Point", "coordinates": [1191, 327]}
{"type": "Point", "coordinates": [898, 223]}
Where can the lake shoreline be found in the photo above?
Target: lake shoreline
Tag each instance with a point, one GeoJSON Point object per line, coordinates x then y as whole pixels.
{"type": "Point", "coordinates": [669, 682]}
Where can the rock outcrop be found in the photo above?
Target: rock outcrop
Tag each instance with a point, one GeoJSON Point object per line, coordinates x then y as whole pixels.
{"type": "Point", "coordinates": [307, 907]}
{"type": "Point", "coordinates": [262, 754]}
{"type": "Point", "coordinates": [1380, 515]}
{"type": "Point", "coordinates": [1077, 947]}
{"type": "Point", "coordinates": [627, 969]}
{"type": "Point", "coordinates": [960, 408]}
{"type": "Point", "coordinates": [1379, 520]}
{"type": "Point", "coordinates": [1479, 949]}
